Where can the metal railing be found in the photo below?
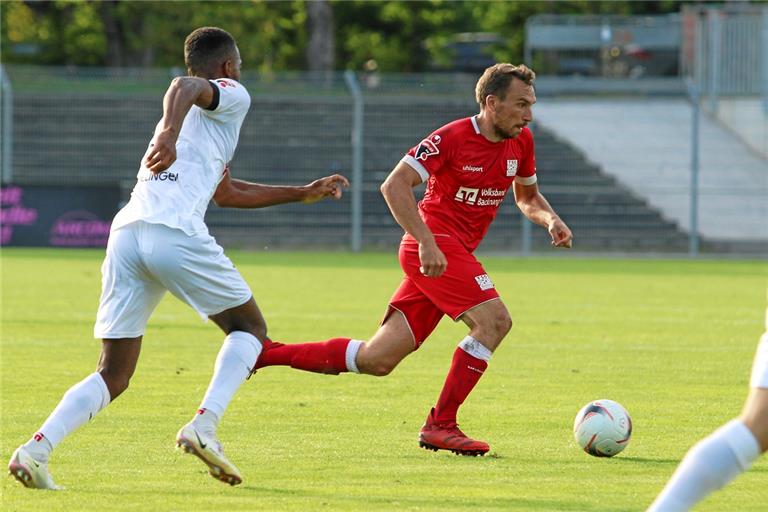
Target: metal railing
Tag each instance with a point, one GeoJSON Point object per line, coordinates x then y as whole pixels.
{"type": "Point", "coordinates": [725, 50]}
{"type": "Point", "coordinates": [90, 127]}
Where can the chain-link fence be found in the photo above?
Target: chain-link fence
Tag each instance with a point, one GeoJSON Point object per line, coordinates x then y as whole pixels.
{"type": "Point", "coordinates": [91, 126]}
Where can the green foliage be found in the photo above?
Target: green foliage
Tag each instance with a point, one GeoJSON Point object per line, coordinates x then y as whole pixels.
{"type": "Point", "coordinates": [273, 35]}
{"type": "Point", "coordinates": [671, 340]}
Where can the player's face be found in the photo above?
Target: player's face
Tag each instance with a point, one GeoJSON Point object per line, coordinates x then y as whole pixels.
{"type": "Point", "coordinates": [233, 65]}
{"type": "Point", "coordinates": [514, 112]}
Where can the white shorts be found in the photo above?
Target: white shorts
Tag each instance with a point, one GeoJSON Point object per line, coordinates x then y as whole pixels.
{"type": "Point", "coordinates": [144, 260]}
{"type": "Point", "coordinates": [760, 366]}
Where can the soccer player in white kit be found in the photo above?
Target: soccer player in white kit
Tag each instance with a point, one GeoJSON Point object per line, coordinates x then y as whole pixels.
{"type": "Point", "coordinates": [159, 242]}
{"type": "Point", "coordinates": [727, 452]}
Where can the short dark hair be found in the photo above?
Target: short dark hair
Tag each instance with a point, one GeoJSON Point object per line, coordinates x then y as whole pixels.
{"type": "Point", "coordinates": [207, 47]}
{"type": "Point", "coordinates": [496, 80]}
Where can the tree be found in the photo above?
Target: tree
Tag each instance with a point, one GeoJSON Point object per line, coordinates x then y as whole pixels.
{"type": "Point", "coordinates": [320, 50]}
{"type": "Point", "coordinates": [274, 36]}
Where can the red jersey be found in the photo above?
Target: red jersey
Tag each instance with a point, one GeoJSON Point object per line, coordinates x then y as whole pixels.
{"type": "Point", "coordinates": [468, 177]}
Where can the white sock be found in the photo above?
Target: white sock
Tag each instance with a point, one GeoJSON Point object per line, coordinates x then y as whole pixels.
{"type": "Point", "coordinates": [233, 365]}
{"type": "Point", "coordinates": [351, 356]}
{"type": "Point", "coordinates": [79, 404]}
{"type": "Point", "coordinates": [476, 349]}
{"type": "Point", "coordinates": [206, 421]}
{"type": "Point", "coordinates": [708, 466]}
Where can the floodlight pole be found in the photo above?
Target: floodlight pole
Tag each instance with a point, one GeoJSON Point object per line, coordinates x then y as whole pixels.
{"type": "Point", "coordinates": [357, 160]}
{"type": "Point", "coordinates": [7, 126]}
{"type": "Point", "coordinates": [526, 235]}
{"type": "Point", "coordinates": [693, 238]}
{"type": "Point", "coordinates": [715, 42]}
{"type": "Point", "coordinates": [765, 60]}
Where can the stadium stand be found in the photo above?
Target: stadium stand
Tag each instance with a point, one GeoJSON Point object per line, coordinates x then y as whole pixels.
{"type": "Point", "coordinates": [646, 146]}
{"type": "Point", "coordinates": [291, 139]}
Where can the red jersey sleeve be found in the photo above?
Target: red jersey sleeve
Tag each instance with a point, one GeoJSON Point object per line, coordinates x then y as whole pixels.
{"type": "Point", "coordinates": [431, 154]}
{"type": "Point", "coordinates": [526, 174]}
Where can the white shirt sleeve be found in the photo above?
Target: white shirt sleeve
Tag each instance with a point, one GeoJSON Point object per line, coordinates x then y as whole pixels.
{"type": "Point", "coordinates": [231, 102]}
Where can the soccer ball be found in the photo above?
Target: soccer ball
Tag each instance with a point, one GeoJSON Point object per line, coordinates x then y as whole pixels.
{"type": "Point", "coordinates": [602, 428]}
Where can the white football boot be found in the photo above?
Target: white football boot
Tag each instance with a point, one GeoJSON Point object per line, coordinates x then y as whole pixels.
{"type": "Point", "coordinates": [29, 472]}
{"type": "Point", "coordinates": [208, 449]}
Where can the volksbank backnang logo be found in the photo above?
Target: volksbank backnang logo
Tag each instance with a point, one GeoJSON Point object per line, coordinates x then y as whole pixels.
{"type": "Point", "coordinates": [480, 197]}
{"type": "Point", "coordinates": [467, 195]}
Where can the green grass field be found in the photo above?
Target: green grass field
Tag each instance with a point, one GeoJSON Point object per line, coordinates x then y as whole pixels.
{"type": "Point", "coordinates": [671, 340]}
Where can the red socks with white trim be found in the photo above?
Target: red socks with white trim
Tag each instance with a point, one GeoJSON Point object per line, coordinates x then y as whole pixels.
{"type": "Point", "coordinates": [334, 356]}
{"type": "Point", "coordinates": [470, 359]}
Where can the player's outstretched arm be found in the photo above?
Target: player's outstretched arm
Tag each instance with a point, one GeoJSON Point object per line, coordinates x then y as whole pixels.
{"type": "Point", "coordinates": [232, 193]}
{"type": "Point", "coordinates": [181, 95]}
{"type": "Point", "coordinates": [536, 208]}
{"type": "Point", "coordinates": [397, 190]}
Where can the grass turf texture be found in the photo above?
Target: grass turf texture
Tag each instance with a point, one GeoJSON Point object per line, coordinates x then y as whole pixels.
{"type": "Point", "coordinates": [671, 340]}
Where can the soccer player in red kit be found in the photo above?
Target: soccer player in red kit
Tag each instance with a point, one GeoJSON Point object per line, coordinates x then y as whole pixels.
{"type": "Point", "coordinates": [469, 166]}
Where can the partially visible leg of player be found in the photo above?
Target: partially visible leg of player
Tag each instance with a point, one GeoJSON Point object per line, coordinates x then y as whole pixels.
{"type": "Point", "coordinates": [332, 357]}
{"type": "Point", "coordinates": [489, 322]}
{"type": "Point", "coordinates": [245, 327]}
{"type": "Point", "coordinates": [128, 298]}
{"type": "Point", "coordinates": [755, 416]}
{"type": "Point", "coordinates": [726, 453]}
{"type": "Point", "coordinates": [29, 463]}
{"type": "Point", "coordinates": [391, 343]}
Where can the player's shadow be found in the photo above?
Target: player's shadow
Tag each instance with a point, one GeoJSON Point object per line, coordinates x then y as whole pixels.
{"type": "Point", "coordinates": [646, 460]}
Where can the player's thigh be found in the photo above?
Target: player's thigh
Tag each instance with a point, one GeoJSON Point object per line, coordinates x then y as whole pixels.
{"type": "Point", "coordinates": [420, 315]}
{"type": "Point", "coordinates": [392, 342]}
{"type": "Point", "coordinates": [463, 286]}
{"type": "Point", "coordinates": [129, 293]}
{"type": "Point", "coordinates": [196, 270]}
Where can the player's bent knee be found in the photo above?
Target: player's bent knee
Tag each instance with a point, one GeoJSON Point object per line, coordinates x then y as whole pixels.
{"type": "Point", "coordinates": [260, 332]}
{"type": "Point", "coordinates": [504, 324]}
{"type": "Point", "coordinates": [759, 429]}
{"type": "Point", "coordinates": [116, 382]}
{"type": "Point", "coordinates": [257, 329]}
{"type": "Point", "coordinates": [755, 416]}
{"type": "Point", "coordinates": [377, 368]}
{"type": "Point", "coordinates": [381, 370]}
{"type": "Point", "coordinates": [497, 329]}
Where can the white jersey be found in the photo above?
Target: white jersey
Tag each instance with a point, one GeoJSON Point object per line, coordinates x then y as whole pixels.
{"type": "Point", "coordinates": [178, 197]}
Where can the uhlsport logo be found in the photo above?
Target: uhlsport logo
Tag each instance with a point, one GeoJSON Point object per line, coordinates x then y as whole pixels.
{"type": "Point", "coordinates": [511, 167]}
{"type": "Point", "coordinates": [428, 147]}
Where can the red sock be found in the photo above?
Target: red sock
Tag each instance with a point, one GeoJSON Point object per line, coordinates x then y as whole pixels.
{"type": "Point", "coordinates": [319, 357]}
{"type": "Point", "coordinates": [465, 371]}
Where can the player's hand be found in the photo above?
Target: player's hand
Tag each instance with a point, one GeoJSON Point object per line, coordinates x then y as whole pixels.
{"type": "Point", "coordinates": [330, 186]}
{"type": "Point", "coordinates": [433, 261]}
{"type": "Point", "coordinates": [162, 153]}
{"type": "Point", "coordinates": [560, 233]}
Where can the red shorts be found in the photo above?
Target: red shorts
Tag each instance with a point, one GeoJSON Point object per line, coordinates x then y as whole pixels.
{"type": "Point", "coordinates": [424, 300]}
